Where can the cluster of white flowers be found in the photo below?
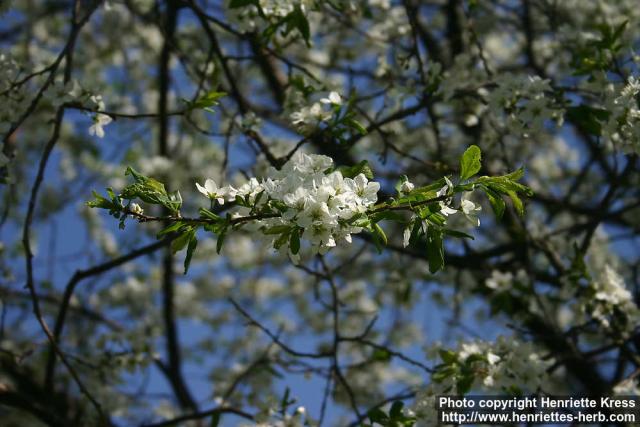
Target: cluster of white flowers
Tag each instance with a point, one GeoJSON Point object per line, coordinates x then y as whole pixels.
{"type": "Point", "coordinates": [460, 76]}
{"type": "Point", "coordinates": [249, 18]}
{"type": "Point", "coordinates": [622, 128]}
{"type": "Point", "coordinates": [510, 364]}
{"type": "Point", "coordinates": [611, 296]}
{"type": "Point", "coordinates": [273, 418]}
{"type": "Point", "coordinates": [250, 122]}
{"type": "Point", "coordinates": [229, 193]}
{"type": "Point", "coordinates": [281, 8]}
{"type": "Point", "coordinates": [318, 202]}
{"type": "Point", "coordinates": [502, 281]}
{"type": "Point", "coordinates": [311, 116]}
{"type": "Point", "coordinates": [506, 366]}
{"type": "Point", "coordinates": [467, 207]}
{"type": "Point", "coordinates": [524, 101]}
{"type": "Point", "coordinates": [628, 387]}
{"type": "Point", "coordinates": [14, 100]}
{"type": "Point", "coordinates": [395, 23]}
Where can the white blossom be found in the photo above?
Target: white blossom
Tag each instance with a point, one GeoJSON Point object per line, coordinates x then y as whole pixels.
{"type": "Point", "coordinates": [470, 210]}
{"type": "Point", "coordinates": [333, 98]}
{"type": "Point", "coordinates": [99, 121]}
{"type": "Point", "coordinates": [136, 209]}
{"type": "Point", "coordinates": [211, 190]}
{"type": "Point", "coordinates": [407, 187]}
{"type": "Point", "coordinates": [610, 295]}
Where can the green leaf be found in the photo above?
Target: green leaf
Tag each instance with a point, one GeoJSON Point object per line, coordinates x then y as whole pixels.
{"type": "Point", "coordinates": [443, 372]}
{"type": "Point", "coordinates": [515, 175]}
{"type": "Point", "coordinates": [206, 101]}
{"type": "Point", "coordinates": [299, 83]}
{"type": "Point", "coordinates": [170, 229]}
{"type": "Point", "coordinates": [100, 202]}
{"type": "Point", "coordinates": [505, 183]}
{"type": "Point", "coordinates": [433, 215]}
{"type": "Point", "coordinates": [497, 204]}
{"type": "Point", "coordinates": [294, 241]}
{"type": "Point", "coordinates": [387, 215]}
{"type": "Point", "coordinates": [416, 232]}
{"type": "Point", "coordinates": [578, 266]}
{"type": "Point", "coordinates": [449, 357]}
{"type": "Point", "coordinates": [193, 243]}
{"type": "Point", "coordinates": [277, 229]}
{"type": "Point", "coordinates": [215, 419]}
{"type": "Point", "coordinates": [377, 415]}
{"type": "Point", "coordinates": [430, 189]}
{"type": "Point", "coordinates": [396, 409]}
{"type": "Point", "coordinates": [588, 118]}
{"type": "Point", "coordinates": [353, 171]}
{"type": "Point", "coordinates": [298, 20]}
{"type": "Point", "coordinates": [380, 233]}
{"type": "Point", "coordinates": [517, 203]}
{"type": "Point", "coordinates": [470, 162]}
{"type": "Point", "coordinates": [472, 358]}
{"type": "Point", "coordinates": [206, 213]}
{"type": "Point", "coordinates": [281, 240]}
{"type": "Point", "coordinates": [220, 240]}
{"type": "Point", "coordinates": [463, 385]}
{"type": "Point", "coordinates": [435, 249]}
{"type": "Point", "coordinates": [150, 191]}
{"type": "Point", "coordinates": [381, 355]}
{"type": "Point", "coordinates": [182, 240]}
{"type": "Point", "coordinates": [458, 234]}
{"type": "Point", "coordinates": [353, 123]}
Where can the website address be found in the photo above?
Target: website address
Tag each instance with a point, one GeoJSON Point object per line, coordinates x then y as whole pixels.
{"type": "Point", "coordinates": [472, 417]}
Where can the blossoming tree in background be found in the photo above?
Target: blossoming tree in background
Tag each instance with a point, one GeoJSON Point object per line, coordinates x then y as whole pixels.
{"type": "Point", "coordinates": [266, 212]}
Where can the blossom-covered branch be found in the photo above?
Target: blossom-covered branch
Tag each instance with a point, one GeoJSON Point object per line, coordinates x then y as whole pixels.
{"type": "Point", "coordinates": [310, 200]}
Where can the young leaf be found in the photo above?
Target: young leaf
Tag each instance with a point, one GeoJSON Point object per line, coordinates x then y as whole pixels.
{"type": "Point", "coordinates": [206, 101]}
{"type": "Point", "coordinates": [497, 204]}
{"type": "Point", "coordinates": [380, 233]}
{"type": "Point", "coordinates": [354, 124]}
{"type": "Point", "coordinates": [355, 170]}
{"type": "Point", "coordinates": [206, 213]}
{"type": "Point", "coordinates": [435, 249]}
{"type": "Point", "coordinates": [517, 203]}
{"type": "Point", "coordinates": [277, 229]}
{"type": "Point", "coordinates": [294, 241]}
{"type": "Point", "coordinates": [220, 240]}
{"type": "Point", "coordinates": [182, 240]}
{"type": "Point", "coordinates": [281, 240]}
{"type": "Point", "coordinates": [100, 202]}
{"type": "Point", "coordinates": [298, 20]}
{"type": "Point", "coordinates": [193, 242]}
{"type": "Point", "coordinates": [458, 234]}
{"type": "Point", "coordinates": [470, 162]}
{"type": "Point", "coordinates": [449, 357]}
{"type": "Point", "coordinates": [170, 229]}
